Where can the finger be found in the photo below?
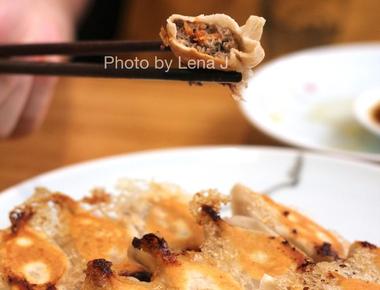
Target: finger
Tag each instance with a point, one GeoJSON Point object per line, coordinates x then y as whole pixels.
{"type": "Point", "coordinates": [38, 102]}
{"type": "Point", "coordinates": [13, 96]}
{"type": "Point", "coordinates": [36, 106]}
{"type": "Point", "coordinates": [7, 84]}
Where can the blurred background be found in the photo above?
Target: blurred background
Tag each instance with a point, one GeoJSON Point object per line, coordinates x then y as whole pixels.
{"type": "Point", "coordinates": [91, 118]}
{"type": "Point", "coordinates": [291, 24]}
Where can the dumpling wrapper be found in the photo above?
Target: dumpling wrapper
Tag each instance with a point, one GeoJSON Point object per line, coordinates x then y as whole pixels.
{"type": "Point", "coordinates": [249, 53]}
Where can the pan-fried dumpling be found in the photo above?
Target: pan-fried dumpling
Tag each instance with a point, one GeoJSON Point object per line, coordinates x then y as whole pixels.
{"type": "Point", "coordinates": [217, 39]}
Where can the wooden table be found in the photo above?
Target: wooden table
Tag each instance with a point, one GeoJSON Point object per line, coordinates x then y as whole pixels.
{"type": "Point", "coordinates": [91, 118]}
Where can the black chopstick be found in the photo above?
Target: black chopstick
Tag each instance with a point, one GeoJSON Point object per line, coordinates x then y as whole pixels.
{"type": "Point", "coordinates": [12, 66]}
{"type": "Point", "coordinates": [97, 47]}
{"type": "Point", "coordinates": [98, 70]}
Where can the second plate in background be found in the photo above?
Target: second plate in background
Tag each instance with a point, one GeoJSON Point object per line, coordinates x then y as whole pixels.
{"type": "Point", "coordinates": [306, 98]}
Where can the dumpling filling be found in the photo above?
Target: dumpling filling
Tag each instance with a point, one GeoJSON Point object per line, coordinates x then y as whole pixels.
{"type": "Point", "coordinates": [210, 39]}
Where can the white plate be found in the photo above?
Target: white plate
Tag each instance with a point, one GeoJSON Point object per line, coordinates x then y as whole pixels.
{"type": "Point", "coordinates": [341, 195]}
{"type": "Point", "coordinates": [306, 98]}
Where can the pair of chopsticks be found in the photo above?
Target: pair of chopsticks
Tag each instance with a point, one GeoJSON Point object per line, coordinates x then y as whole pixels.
{"type": "Point", "coordinates": [91, 48]}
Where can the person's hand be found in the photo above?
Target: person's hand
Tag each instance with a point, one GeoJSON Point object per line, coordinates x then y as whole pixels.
{"type": "Point", "coordinates": [24, 99]}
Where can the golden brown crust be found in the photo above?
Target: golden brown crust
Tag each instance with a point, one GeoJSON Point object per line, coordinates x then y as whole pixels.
{"type": "Point", "coordinates": [316, 241]}
{"type": "Point", "coordinates": [52, 238]}
{"type": "Point", "coordinates": [103, 231]}
{"type": "Point", "coordinates": [161, 209]}
{"type": "Point", "coordinates": [246, 254]}
{"type": "Point", "coordinates": [97, 196]}
{"type": "Point", "coordinates": [185, 270]}
{"type": "Point", "coordinates": [98, 273]}
{"type": "Point", "coordinates": [54, 243]}
{"type": "Point", "coordinates": [19, 217]}
{"type": "Point", "coordinates": [29, 258]}
{"type": "Point", "coordinates": [155, 246]}
{"type": "Point", "coordinates": [359, 270]}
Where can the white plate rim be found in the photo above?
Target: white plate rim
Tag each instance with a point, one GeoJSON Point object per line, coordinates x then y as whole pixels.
{"type": "Point", "coordinates": [18, 193]}
{"type": "Point", "coordinates": [266, 128]}
{"type": "Point", "coordinates": [344, 160]}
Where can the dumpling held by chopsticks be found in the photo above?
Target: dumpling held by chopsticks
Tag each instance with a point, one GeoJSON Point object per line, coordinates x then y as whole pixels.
{"type": "Point", "coordinates": [218, 39]}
